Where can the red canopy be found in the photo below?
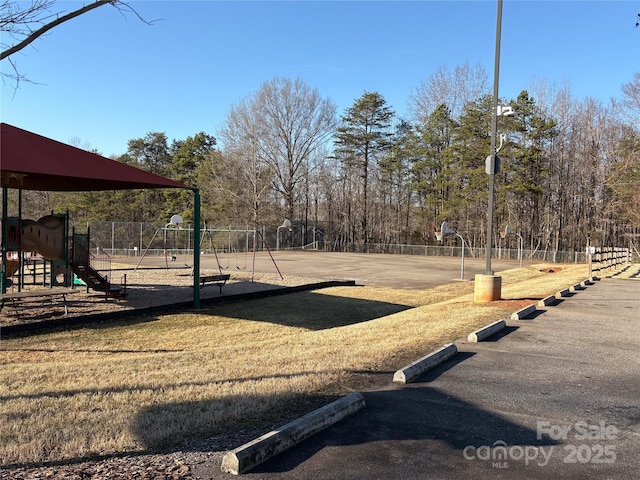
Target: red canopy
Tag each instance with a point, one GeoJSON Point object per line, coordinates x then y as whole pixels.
{"type": "Point", "coordinates": [47, 165]}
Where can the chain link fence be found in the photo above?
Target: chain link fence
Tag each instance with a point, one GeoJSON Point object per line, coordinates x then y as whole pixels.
{"type": "Point", "coordinates": [139, 238]}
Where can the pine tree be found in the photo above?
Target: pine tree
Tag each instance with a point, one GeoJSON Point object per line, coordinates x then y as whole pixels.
{"type": "Point", "coordinates": [361, 141]}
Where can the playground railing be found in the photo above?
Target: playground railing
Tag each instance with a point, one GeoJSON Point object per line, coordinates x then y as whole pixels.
{"type": "Point", "coordinates": [85, 252]}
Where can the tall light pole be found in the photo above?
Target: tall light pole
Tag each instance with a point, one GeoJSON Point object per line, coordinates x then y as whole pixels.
{"type": "Point", "coordinates": [488, 287]}
{"type": "Point", "coordinates": [494, 134]}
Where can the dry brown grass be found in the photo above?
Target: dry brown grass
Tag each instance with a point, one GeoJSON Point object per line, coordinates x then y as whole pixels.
{"type": "Point", "coordinates": [144, 385]}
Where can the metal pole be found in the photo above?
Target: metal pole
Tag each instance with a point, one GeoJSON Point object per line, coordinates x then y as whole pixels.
{"type": "Point", "coordinates": [3, 274]}
{"type": "Point", "coordinates": [521, 249]}
{"type": "Point", "coordinates": [462, 264]}
{"type": "Point", "coordinates": [494, 129]}
{"type": "Point", "coordinates": [196, 249]}
{"type": "Point", "coordinates": [20, 252]}
{"type": "Point", "coordinates": [253, 259]}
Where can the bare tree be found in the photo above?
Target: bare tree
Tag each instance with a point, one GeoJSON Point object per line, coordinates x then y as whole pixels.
{"type": "Point", "coordinates": [241, 172]}
{"type": "Point", "coordinates": [282, 126]}
{"type": "Point", "coordinates": [25, 22]}
{"type": "Point", "coordinates": [454, 89]}
{"type": "Point", "coordinates": [631, 98]}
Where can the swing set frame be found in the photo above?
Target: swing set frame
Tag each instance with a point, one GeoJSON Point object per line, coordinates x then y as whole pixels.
{"type": "Point", "coordinates": [172, 227]}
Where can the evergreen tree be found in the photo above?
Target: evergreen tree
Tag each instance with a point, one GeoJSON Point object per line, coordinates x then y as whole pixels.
{"type": "Point", "coordinates": [433, 168]}
{"type": "Point", "coordinates": [526, 167]}
{"type": "Point", "coordinates": [187, 155]}
{"type": "Point", "coordinates": [472, 144]}
{"type": "Point", "coordinates": [361, 141]}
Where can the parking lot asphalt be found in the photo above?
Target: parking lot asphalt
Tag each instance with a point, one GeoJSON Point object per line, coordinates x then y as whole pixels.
{"type": "Point", "coordinates": [555, 396]}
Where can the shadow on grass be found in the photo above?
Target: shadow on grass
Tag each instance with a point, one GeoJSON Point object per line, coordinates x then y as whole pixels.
{"type": "Point", "coordinates": [207, 425]}
{"type": "Point", "coordinates": [157, 388]}
{"type": "Point", "coordinates": [308, 310]}
{"type": "Point", "coordinates": [149, 314]}
{"type": "Point", "coordinates": [222, 423]}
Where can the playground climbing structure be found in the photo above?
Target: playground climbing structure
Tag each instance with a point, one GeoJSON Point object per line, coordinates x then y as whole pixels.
{"type": "Point", "coordinates": [66, 255]}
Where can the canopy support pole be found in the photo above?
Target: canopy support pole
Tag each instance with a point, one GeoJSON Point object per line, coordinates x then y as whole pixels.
{"type": "Point", "coordinates": [3, 273]}
{"type": "Point", "coordinates": [196, 249]}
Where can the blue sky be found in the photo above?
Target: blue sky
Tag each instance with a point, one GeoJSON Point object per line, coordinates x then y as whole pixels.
{"type": "Point", "coordinates": [104, 78]}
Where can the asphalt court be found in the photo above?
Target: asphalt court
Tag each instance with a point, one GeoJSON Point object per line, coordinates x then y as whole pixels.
{"type": "Point", "coordinates": [551, 397]}
{"type": "Point", "coordinates": [400, 271]}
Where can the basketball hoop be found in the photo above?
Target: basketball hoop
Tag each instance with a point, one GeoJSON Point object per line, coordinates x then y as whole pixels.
{"type": "Point", "coordinates": [439, 236]}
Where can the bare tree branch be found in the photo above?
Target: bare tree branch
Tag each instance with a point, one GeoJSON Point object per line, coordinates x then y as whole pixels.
{"type": "Point", "coordinates": [14, 19]}
{"type": "Point", "coordinates": [19, 21]}
{"type": "Point", "coordinates": [45, 28]}
{"type": "Point", "coordinates": [16, 76]}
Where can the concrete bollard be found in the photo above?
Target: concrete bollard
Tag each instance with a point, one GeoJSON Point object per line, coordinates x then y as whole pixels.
{"type": "Point", "coordinates": [415, 369]}
{"type": "Point", "coordinates": [487, 288]}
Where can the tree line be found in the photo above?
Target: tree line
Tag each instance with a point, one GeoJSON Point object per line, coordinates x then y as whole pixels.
{"type": "Point", "coordinates": [569, 171]}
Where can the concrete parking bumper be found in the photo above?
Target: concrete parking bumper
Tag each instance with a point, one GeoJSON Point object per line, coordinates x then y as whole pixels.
{"type": "Point", "coordinates": [417, 368]}
{"type": "Point", "coordinates": [250, 454]}
{"type": "Point", "coordinates": [487, 331]}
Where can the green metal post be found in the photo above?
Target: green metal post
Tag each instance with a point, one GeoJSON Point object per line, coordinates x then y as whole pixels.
{"type": "Point", "coordinates": [196, 249]}
{"type": "Point", "coordinates": [20, 252]}
{"type": "Point", "coordinates": [3, 273]}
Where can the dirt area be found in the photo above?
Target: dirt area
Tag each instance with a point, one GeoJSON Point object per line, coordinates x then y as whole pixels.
{"type": "Point", "coordinates": [145, 287]}
{"type": "Point", "coordinates": [551, 270]}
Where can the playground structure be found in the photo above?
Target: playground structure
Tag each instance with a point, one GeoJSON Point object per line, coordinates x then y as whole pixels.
{"type": "Point", "coordinates": [34, 162]}
{"type": "Point", "coordinates": [225, 249]}
{"type": "Point", "coordinates": [44, 248]}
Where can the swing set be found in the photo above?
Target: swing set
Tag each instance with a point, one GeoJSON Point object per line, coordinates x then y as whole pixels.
{"type": "Point", "coordinates": [235, 251]}
{"type": "Point", "coordinates": [174, 227]}
{"type": "Point", "coordinates": [229, 250]}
